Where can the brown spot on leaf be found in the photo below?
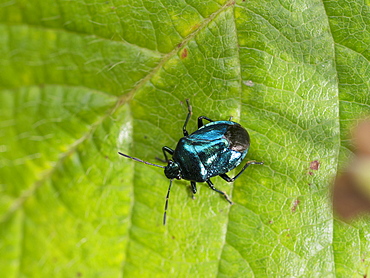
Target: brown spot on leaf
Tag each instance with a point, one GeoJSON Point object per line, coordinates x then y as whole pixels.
{"type": "Point", "coordinates": [195, 27]}
{"type": "Point", "coordinates": [184, 53]}
{"type": "Point", "coordinates": [295, 205]}
{"type": "Point", "coordinates": [315, 165]}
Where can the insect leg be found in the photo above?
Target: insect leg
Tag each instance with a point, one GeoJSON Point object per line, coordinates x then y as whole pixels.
{"type": "Point", "coordinates": [190, 111]}
{"type": "Point", "coordinates": [228, 179]}
{"type": "Point", "coordinates": [193, 187]}
{"type": "Point", "coordinates": [210, 184]}
{"type": "Point", "coordinates": [169, 150]}
{"type": "Point", "coordinates": [200, 121]}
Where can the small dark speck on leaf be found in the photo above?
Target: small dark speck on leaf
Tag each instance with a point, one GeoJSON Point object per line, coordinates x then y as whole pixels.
{"type": "Point", "coordinates": [310, 173]}
{"type": "Point", "coordinates": [184, 53]}
{"type": "Point", "coordinates": [295, 205]}
{"type": "Point", "coordinates": [79, 274]}
{"type": "Point", "coordinates": [315, 165]}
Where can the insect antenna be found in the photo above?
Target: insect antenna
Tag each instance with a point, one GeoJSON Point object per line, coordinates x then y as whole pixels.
{"type": "Point", "coordinates": [137, 159]}
{"type": "Point", "coordinates": [166, 205]}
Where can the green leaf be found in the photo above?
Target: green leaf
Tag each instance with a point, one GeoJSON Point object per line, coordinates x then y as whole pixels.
{"type": "Point", "coordinates": [82, 80]}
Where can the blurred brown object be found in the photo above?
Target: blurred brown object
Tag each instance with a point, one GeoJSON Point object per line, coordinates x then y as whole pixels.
{"type": "Point", "coordinates": [351, 189]}
{"type": "Point", "coordinates": [361, 138]}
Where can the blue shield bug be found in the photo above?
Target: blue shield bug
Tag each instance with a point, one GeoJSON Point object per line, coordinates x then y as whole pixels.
{"type": "Point", "coordinates": [213, 150]}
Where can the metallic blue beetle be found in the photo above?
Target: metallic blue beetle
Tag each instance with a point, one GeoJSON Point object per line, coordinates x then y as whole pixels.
{"type": "Point", "coordinates": [213, 150]}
